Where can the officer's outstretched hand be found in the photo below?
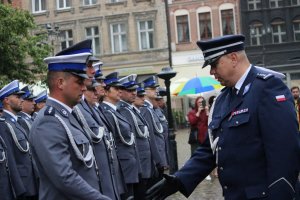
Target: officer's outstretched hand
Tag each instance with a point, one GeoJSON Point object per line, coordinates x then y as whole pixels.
{"type": "Point", "coordinates": [164, 188]}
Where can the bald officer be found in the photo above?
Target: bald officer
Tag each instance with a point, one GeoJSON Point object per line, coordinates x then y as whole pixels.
{"type": "Point", "coordinates": [253, 131]}
{"type": "Point", "coordinates": [63, 153]}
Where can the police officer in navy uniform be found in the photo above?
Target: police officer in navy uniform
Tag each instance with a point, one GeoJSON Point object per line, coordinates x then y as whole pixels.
{"type": "Point", "coordinates": [16, 139]}
{"type": "Point", "coordinates": [140, 129]}
{"type": "Point", "coordinates": [156, 130]}
{"type": "Point", "coordinates": [111, 147]}
{"type": "Point", "coordinates": [102, 141]}
{"type": "Point", "coordinates": [40, 101]}
{"type": "Point", "coordinates": [25, 118]}
{"type": "Point", "coordinates": [253, 134]}
{"type": "Point", "coordinates": [163, 120]}
{"type": "Point", "coordinates": [6, 189]}
{"type": "Point", "coordinates": [63, 153]}
{"type": "Point", "coordinates": [123, 134]}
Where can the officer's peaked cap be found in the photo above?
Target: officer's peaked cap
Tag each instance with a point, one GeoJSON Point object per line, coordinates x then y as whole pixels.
{"type": "Point", "coordinates": [28, 94]}
{"type": "Point", "coordinates": [9, 89]}
{"type": "Point", "coordinates": [128, 82]}
{"type": "Point", "coordinates": [98, 71]}
{"type": "Point", "coordinates": [140, 90]}
{"type": "Point", "coordinates": [150, 82]}
{"type": "Point", "coordinates": [72, 59]}
{"type": "Point", "coordinates": [112, 79]}
{"type": "Point", "coordinates": [42, 96]}
{"type": "Point", "coordinates": [215, 48]}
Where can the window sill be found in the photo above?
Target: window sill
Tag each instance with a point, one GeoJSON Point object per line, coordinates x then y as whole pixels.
{"type": "Point", "coordinates": [71, 10]}
{"type": "Point", "coordinates": [41, 13]}
{"type": "Point", "coordinates": [124, 3]}
{"type": "Point", "coordinates": [87, 7]}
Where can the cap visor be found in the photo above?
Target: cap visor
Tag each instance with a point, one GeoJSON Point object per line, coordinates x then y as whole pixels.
{"type": "Point", "coordinates": [82, 75]}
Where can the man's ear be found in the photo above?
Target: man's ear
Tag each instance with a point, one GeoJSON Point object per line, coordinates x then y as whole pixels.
{"type": "Point", "coordinates": [60, 82]}
{"type": "Point", "coordinates": [234, 58]}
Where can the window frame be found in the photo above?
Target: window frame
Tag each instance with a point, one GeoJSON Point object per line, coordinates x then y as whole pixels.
{"type": "Point", "coordinates": [276, 2]}
{"type": "Point", "coordinates": [227, 6]}
{"type": "Point", "coordinates": [255, 4]}
{"type": "Point", "coordinates": [65, 3]}
{"type": "Point", "coordinates": [93, 37]}
{"type": "Point", "coordinates": [90, 2]}
{"type": "Point", "coordinates": [147, 31]}
{"type": "Point", "coordinates": [119, 34]}
{"type": "Point", "coordinates": [66, 38]}
{"type": "Point", "coordinates": [280, 34]}
{"type": "Point", "coordinates": [296, 21]}
{"type": "Point", "coordinates": [180, 13]}
{"type": "Point", "coordinates": [40, 6]}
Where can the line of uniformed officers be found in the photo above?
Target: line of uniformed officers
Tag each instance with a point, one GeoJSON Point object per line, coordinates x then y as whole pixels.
{"type": "Point", "coordinates": [92, 137]}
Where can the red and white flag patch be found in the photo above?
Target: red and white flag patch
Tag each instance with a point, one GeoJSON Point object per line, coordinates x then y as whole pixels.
{"type": "Point", "coordinates": [280, 98]}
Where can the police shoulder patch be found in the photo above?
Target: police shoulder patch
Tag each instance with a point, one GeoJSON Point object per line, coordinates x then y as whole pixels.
{"type": "Point", "coordinates": [49, 111]}
{"type": "Point", "coordinates": [264, 76]}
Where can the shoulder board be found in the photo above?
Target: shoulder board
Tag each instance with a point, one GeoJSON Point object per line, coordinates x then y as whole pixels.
{"type": "Point", "coordinates": [49, 111]}
{"type": "Point", "coordinates": [2, 119]}
{"type": "Point", "coordinates": [264, 76]}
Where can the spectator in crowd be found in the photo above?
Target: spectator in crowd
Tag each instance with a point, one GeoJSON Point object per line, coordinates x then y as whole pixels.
{"type": "Point", "coordinates": [197, 118]}
{"type": "Point", "coordinates": [296, 92]}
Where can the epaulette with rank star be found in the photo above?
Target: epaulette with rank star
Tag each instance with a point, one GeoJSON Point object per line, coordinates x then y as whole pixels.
{"type": "Point", "coordinates": [264, 76]}
{"type": "Point", "coordinates": [49, 111]}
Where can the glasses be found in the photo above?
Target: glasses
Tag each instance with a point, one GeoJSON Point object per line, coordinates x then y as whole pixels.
{"type": "Point", "coordinates": [214, 63]}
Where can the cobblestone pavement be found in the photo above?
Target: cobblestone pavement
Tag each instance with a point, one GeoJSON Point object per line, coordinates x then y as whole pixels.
{"type": "Point", "coordinates": [208, 189]}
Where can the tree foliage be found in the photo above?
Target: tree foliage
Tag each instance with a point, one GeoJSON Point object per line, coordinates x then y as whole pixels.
{"type": "Point", "coordinates": [21, 51]}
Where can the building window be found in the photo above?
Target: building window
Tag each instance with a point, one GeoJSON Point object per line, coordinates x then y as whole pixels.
{"type": "Point", "coordinates": [38, 6]}
{"type": "Point", "coordinates": [66, 39]}
{"type": "Point", "coordinates": [256, 33]}
{"type": "Point", "coordinates": [93, 34]}
{"type": "Point", "coordinates": [89, 2]}
{"type": "Point", "coordinates": [276, 3]}
{"type": "Point", "coordinates": [295, 2]}
{"type": "Point", "coordinates": [296, 28]}
{"type": "Point", "coordinates": [183, 32]}
{"type": "Point", "coordinates": [63, 4]}
{"type": "Point", "coordinates": [227, 22]}
{"type": "Point", "coordinates": [146, 31]}
{"type": "Point", "coordinates": [118, 38]}
{"type": "Point", "coordinates": [278, 31]}
{"type": "Point", "coordinates": [205, 26]}
{"type": "Point", "coordinates": [254, 4]}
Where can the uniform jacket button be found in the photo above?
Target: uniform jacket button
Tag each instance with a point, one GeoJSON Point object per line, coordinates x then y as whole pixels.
{"type": "Point", "coordinates": [225, 187]}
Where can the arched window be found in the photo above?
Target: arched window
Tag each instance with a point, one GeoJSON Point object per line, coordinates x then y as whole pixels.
{"type": "Point", "coordinates": [278, 31]}
{"type": "Point", "coordinates": [204, 23]}
{"type": "Point", "coordinates": [182, 26]}
{"type": "Point", "coordinates": [296, 28]}
{"type": "Point", "coordinates": [227, 19]}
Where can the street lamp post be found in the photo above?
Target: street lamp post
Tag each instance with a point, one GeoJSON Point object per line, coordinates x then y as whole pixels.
{"type": "Point", "coordinates": [166, 74]}
{"type": "Point", "coordinates": [53, 35]}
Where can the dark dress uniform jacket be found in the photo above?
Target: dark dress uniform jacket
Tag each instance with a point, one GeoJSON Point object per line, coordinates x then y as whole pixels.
{"type": "Point", "coordinates": [257, 141]}
{"type": "Point", "coordinates": [6, 191]}
{"type": "Point", "coordinates": [142, 142]}
{"type": "Point", "coordinates": [62, 174]}
{"type": "Point", "coordinates": [126, 153]}
{"type": "Point", "coordinates": [157, 139]}
{"type": "Point", "coordinates": [164, 122]}
{"type": "Point", "coordinates": [103, 153]}
{"type": "Point", "coordinates": [25, 121]}
{"type": "Point", "coordinates": [24, 180]}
